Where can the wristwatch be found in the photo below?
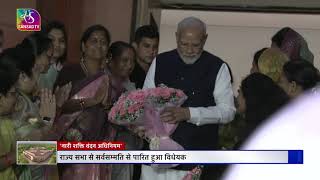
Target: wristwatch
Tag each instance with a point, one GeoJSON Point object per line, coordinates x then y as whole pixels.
{"type": "Point", "coordinates": [46, 118]}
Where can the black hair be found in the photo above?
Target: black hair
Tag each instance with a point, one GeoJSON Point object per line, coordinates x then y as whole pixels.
{"type": "Point", "coordinates": [146, 31]}
{"type": "Point", "coordinates": [54, 25]}
{"type": "Point", "coordinates": [25, 53]}
{"type": "Point", "coordinates": [39, 42]}
{"type": "Point", "coordinates": [263, 97]}
{"type": "Point", "coordinates": [302, 72]}
{"type": "Point", "coordinates": [22, 58]}
{"type": "Point", "coordinates": [87, 33]}
{"type": "Point", "coordinates": [279, 36]}
{"type": "Point", "coordinates": [117, 48]}
{"type": "Point", "coordinates": [8, 73]}
{"type": "Point", "coordinates": [60, 26]}
{"type": "Point", "coordinates": [257, 55]}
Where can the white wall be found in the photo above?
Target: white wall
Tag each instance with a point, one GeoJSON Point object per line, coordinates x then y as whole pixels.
{"type": "Point", "coordinates": [236, 36]}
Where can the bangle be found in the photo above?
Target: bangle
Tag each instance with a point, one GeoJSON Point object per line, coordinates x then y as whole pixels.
{"type": "Point", "coordinates": [82, 104]}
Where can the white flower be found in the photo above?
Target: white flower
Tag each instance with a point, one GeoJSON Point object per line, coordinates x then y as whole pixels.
{"type": "Point", "coordinates": [154, 143]}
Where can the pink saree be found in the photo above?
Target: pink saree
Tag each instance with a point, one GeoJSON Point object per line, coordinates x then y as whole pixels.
{"type": "Point", "coordinates": [87, 125]}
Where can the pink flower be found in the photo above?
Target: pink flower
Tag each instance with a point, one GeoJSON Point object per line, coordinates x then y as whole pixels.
{"type": "Point", "coordinates": [122, 112]}
{"type": "Point", "coordinates": [139, 96]}
{"type": "Point", "coordinates": [166, 94]}
{"type": "Point", "coordinates": [122, 97]}
{"type": "Point", "coordinates": [131, 110]}
{"type": "Point", "coordinates": [138, 106]}
{"type": "Point", "coordinates": [121, 104]}
{"type": "Point", "coordinates": [155, 91]}
{"type": "Point", "coordinates": [130, 107]}
{"type": "Point", "coordinates": [180, 93]}
{"type": "Point", "coordinates": [112, 114]}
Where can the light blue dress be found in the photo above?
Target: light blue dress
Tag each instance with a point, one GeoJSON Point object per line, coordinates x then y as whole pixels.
{"type": "Point", "coordinates": [47, 80]}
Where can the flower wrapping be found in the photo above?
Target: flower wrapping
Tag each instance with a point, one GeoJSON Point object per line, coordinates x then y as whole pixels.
{"type": "Point", "coordinates": [142, 108]}
{"type": "Point", "coordinates": [130, 107]}
{"type": "Point", "coordinates": [194, 174]}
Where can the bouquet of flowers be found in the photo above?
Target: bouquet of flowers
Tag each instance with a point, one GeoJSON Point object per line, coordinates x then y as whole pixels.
{"type": "Point", "coordinates": [142, 108]}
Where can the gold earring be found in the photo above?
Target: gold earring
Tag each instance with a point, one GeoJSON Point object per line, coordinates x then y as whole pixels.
{"type": "Point", "coordinates": [109, 57]}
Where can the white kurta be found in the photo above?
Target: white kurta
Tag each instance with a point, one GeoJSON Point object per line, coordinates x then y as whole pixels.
{"type": "Point", "coordinates": [222, 113]}
{"type": "Point", "coordinates": [224, 110]}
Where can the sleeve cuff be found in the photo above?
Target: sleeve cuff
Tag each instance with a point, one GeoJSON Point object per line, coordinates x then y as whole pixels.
{"type": "Point", "coordinates": [194, 116]}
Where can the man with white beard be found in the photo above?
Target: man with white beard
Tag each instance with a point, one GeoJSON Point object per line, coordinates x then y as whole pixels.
{"type": "Point", "coordinates": [206, 80]}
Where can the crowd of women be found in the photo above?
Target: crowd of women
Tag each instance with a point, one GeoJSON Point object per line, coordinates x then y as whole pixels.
{"type": "Point", "coordinates": [44, 98]}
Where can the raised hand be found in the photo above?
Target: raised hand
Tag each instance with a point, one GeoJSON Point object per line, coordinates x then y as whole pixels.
{"type": "Point", "coordinates": [62, 94]}
{"type": "Point", "coordinates": [47, 104]}
{"type": "Point", "coordinates": [57, 66]}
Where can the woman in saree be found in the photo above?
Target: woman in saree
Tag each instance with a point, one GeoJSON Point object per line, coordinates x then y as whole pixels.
{"type": "Point", "coordinates": [31, 58]}
{"type": "Point", "coordinates": [82, 116]}
{"type": "Point", "coordinates": [8, 78]}
{"type": "Point", "coordinates": [35, 109]}
{"type": "Point", "coordinates": [121, 58]}
{"type": "Point", "coordinates": [119, 66]}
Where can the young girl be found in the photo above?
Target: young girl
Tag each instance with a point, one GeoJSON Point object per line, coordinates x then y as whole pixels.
{"type": "Point", "coordinates": [259, 97]}
{"type": "Point", "coordinates": [298, 76]}
{"type": "Point", "coordinates": [57, 33]}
